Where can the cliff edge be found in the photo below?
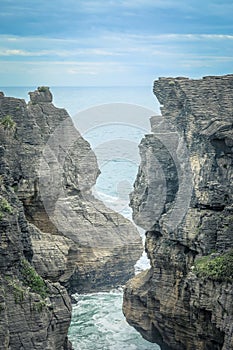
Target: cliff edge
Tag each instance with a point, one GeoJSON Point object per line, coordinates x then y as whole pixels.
{"type": "Point", "coordinates": [183, 198]}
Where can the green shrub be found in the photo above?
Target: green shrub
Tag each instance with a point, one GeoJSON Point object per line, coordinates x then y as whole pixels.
{"type": "Point", "coordinates": [171, 83]}
{"type": "Point", "coordinates": [19, 291]}
{"type": "Point", "coordinates": [8, 123]}
{"type": "Point", "coordinates": [15, 187]}
{"type": "Point", "coordinates": [5, 206]}
{"type": "Point", "coordinates": [43, 88]}
{"type": "Point", "coordinates": [219, 268]}
{"type": "Point", "coordinates": [33, 280]}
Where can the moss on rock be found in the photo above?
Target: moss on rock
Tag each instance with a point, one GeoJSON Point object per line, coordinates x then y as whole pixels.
{"type": "Point", "coordinates": [219, 268]}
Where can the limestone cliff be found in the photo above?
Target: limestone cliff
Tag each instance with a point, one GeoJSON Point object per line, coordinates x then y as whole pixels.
{"type": "Point", "coordinates": [54, 233]}
{"type": "Point", "coordinates": [183, 198]}
{"type": "Point", "coordinates": [34, 314]}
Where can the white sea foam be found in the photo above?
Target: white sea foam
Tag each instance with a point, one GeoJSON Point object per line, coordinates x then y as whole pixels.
{"type": "Point", "coordinates": [98, 324]}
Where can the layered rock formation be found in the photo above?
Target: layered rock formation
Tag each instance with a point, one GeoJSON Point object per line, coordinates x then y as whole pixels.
{"type": "Point", "coordinates": [183, 198]}
{"type": "Point", "coordinates": [54, 233]}
{"type": "Point", "coordinates": [34, 314]}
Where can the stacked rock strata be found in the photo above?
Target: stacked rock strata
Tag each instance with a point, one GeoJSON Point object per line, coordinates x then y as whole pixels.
{"type": "Point", "coordinates": [55, 236]}
{"type": "Point", "coordinates": [183, 198]}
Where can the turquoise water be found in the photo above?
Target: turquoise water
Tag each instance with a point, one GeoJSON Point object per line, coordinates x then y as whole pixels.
{"type": "Point", "coordinates": [98, 324]}
{"type": "Point", "coordinates": [114, 132]}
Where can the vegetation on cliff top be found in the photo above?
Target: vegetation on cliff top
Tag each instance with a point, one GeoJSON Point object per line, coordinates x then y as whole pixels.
{"type": "Point", "coordinates": [43, 88]}
{"type": "Point", "coordinates": [219, 268]}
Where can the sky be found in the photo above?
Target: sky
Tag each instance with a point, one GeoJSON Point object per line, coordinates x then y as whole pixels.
{"type": "Point", "coordinates": [113, 42]}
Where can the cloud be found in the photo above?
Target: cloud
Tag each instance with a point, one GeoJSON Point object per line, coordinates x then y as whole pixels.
{"type": "Point", "coordinates": [120, 52]}
{"type": "Point", "coordinates": [103, 44]}
{"type": "Point", "coordinates": [15, 52]}
{"type": "Point", "coordinates": [115, 55]}
{"type": "Point", "coordinates": [162, 4]}
{"type": "Point", "coordinates": [60, 73]}
{"type": "Point", "coordinates": [18, 52]}
{"type": "Point", "coordinates": [94, 68]}
{"type": "Point", "coordinates": [170, 37]}
{"type": "Point", "coordinates": [221, 8]}
{"type": "Point", "coordinates": [60, 53]}
{"type": "Point", "coordinates": [103, 5]}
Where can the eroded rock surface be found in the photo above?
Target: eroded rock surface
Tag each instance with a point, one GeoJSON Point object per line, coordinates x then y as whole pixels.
{"type": "Point", "coordinates": [34, 314]}
{"type": "Point", "coordinates": [76, 239]}
{"type": "Point", "coordinates": [183, 198]}
{"type": "Point", "coordinates": [51, 226]}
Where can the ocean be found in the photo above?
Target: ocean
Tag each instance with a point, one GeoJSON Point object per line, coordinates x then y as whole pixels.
{"type": "Point", "coordinates": [113, 120]}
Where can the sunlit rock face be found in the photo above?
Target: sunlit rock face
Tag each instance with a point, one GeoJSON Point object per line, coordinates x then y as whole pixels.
{"type": "Point", "coordinates": [183, 198]}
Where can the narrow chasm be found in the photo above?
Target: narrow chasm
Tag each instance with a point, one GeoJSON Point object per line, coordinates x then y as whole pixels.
{"type": "Point", "coordinates": [57, 238]}
{"type": "Point", "coordinates": [97, 317]}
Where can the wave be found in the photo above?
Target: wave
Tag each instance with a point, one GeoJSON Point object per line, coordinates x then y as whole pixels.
{"type": "Point", "coordinates": [98, 324]}
{"type": "Point", "coordinates": [117, 204]}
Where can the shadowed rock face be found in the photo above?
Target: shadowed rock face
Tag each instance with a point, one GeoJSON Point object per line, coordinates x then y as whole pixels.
{"type": "Point", "coordinates": [183, 198]}
{"type": "Point", "coordinates": [33, 314]}
{"type": "Point", "coordinates": [54, 224]}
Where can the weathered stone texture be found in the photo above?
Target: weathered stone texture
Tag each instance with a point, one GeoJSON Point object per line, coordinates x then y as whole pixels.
{"type": "Point", "coordinates": [72, 240]}
{"type": "Point", "coordinates": [54, 169]}
{"type": "Point", "coordinates": [27, 320]}
{"type": "Point", "coordinates": [170, 304]}
{"type": "Point", "coordinates": [42, 94]}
